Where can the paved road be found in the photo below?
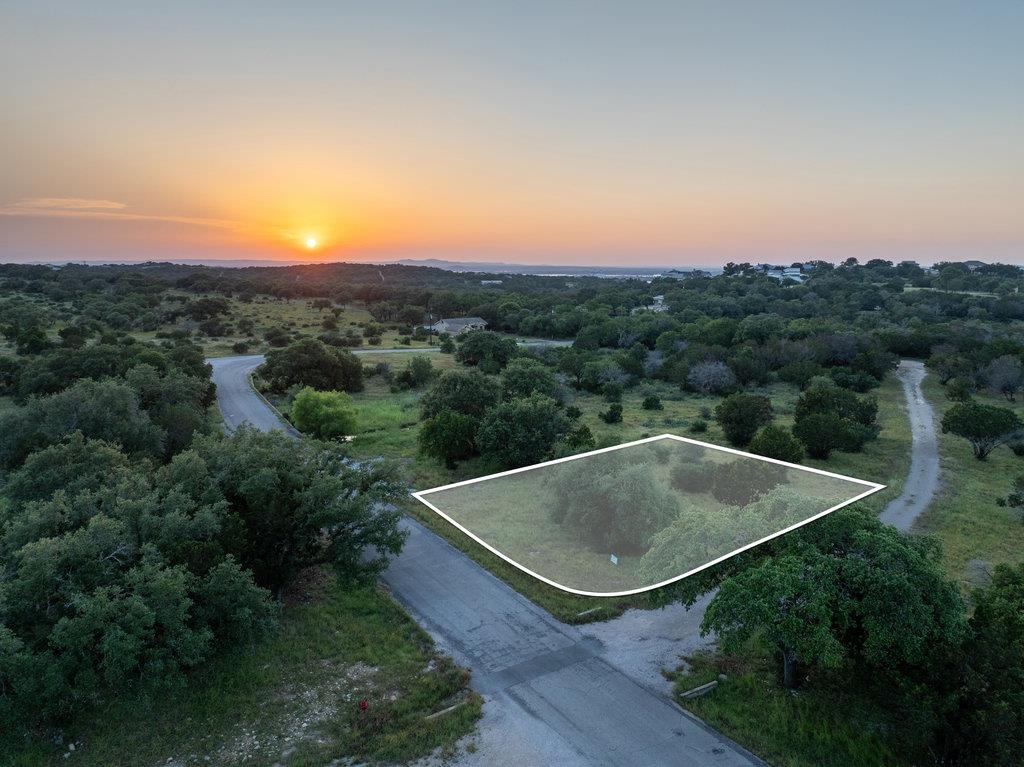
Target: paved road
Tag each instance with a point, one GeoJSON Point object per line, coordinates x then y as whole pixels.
{"type": "Point", "coordinates": [552, 694]}
{"type": "Point", "coordinates": [923, 478]}
{"type": "Point", "coordinates": [236, 398]}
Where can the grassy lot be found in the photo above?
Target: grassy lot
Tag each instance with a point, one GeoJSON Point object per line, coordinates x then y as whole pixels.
{"type": "Point", "coordinates": [293, 698]}
{"type": "Point", "coordinates": [514, 513]}
{"type": "Point", "coordinates": [388, 425]}
{"type": "Point", "coordinates": [975, 532]}
{"type": "Point", "coordinates": [825, 724]}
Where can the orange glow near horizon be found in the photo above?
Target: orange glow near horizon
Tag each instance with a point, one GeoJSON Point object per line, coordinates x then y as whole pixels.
{"type": "Point", "coordinates": [485, 136]}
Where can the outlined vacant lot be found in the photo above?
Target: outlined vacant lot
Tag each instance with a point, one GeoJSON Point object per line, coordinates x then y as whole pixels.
{"type": "Point", "coordinates": [637, 516]}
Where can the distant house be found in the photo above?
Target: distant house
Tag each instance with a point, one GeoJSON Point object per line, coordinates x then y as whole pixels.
{"type": "Point", "coordinates": [457, 325]}
{"type": "Point", "coordinates": [658, 305]}
{"type": "Point", "coordinates": [793, 273]}
{"type": "Point", "coordinates": [491, 282]}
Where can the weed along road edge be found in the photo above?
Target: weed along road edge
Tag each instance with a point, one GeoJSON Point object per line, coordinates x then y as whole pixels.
{"type": "Point", "coordinates": [551, 694]}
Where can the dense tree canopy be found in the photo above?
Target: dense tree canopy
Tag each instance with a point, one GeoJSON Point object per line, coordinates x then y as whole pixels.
{"type": "Point", "coordinates": [522, 431]}
{"type": "Point", "coordinates": [120, 574]}
{"type": "Point", "coordinates": [312, 363]}
{"type": "Point", "coordinates": [987, 723]}
{"type": "Point", "coordinates": [293, 504]}
{"type": "Point", "coordinates": [847, 588]}
{"type": "Point", "coordinates": [524, 376]}
{"type": "Point", "coordinates": [487, 348]}
{"type": "Point", "coordinates": [185, 581]}
{"type": "Point", "coordinates": [468, 392]}
{"type": "Point", "coordinates": [85, 407]}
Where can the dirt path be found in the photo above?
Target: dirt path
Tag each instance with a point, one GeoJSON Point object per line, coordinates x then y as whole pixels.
{"type": "Point", "coordinates": [923, 478]}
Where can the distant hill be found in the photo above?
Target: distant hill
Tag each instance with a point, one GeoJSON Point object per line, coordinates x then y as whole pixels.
{"type": "Point", "coordinates": [493, 267]}
{"type": "Point", "coordinates": [481, 267]}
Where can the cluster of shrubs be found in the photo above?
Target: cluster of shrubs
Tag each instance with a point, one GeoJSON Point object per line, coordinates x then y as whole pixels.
{"type": "Point", "coordinates": [136, 542]}
{"type": "Point", "coordinates": [518, 419]}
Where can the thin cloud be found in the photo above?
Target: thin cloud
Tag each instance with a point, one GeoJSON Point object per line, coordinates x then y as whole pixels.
{"type": "Point", "coordinates": [68, 203]}
{"type": "Point", "coordinates": [101, 210]}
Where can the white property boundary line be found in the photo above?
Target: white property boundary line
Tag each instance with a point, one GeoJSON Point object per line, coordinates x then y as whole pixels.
{"type": "Point", "coordinates": [872, 487]}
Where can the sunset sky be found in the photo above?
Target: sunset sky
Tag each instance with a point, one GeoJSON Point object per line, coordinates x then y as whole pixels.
{"type": "Point", "coordinates": [592, 133]}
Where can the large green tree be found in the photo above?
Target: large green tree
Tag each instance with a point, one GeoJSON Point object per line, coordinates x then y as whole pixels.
{"type": "Point", "coordinates": [524, 376]}
{"type": "Point", "coordinates": [987, 726]}
{"type": "Point", "coordinates": [485, 347]}
{"type": "Point", "coordinates": [469, 392]}
{"type": "Point", "coordinates": [116, 575]}
{"type": "Point", "coordinates": [986, 427]}
{"type": "Point", "coordinates": [776, 442]}
{"type": "Point", "coordinates": [828, 417]}
{"type": "Point", "coordinates": [522, 431]}
{"type": "Point", "coordinates": [310, 362]}
{"type": "Point", "coordinates": [821, 433]}
{"type": "Point", "coordinates": [741, 415]}
{"type": "Point", "coordinates": [449, 436]}
{"type": "Point", "coordinates": [846, 588]}
{"type": "Point", "coordinates": [298, 503]}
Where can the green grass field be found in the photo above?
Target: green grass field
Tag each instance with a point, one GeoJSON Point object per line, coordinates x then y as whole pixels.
{"type": "Point", "coordinates": [976, 533]}
{"type": "Point", "coordinates": [297, 693]}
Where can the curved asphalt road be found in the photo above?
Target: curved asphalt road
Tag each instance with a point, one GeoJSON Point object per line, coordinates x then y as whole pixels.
{"type": "Point", "coordinates": [923, 478]}
{"type": "Point", "coordinates": [552, 695]}
{"type": "Point", "coordinates": [238, 401]}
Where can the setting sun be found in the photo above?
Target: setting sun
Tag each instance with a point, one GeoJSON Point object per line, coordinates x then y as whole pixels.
{"type": "Point", "coordinates": [311, 243]}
